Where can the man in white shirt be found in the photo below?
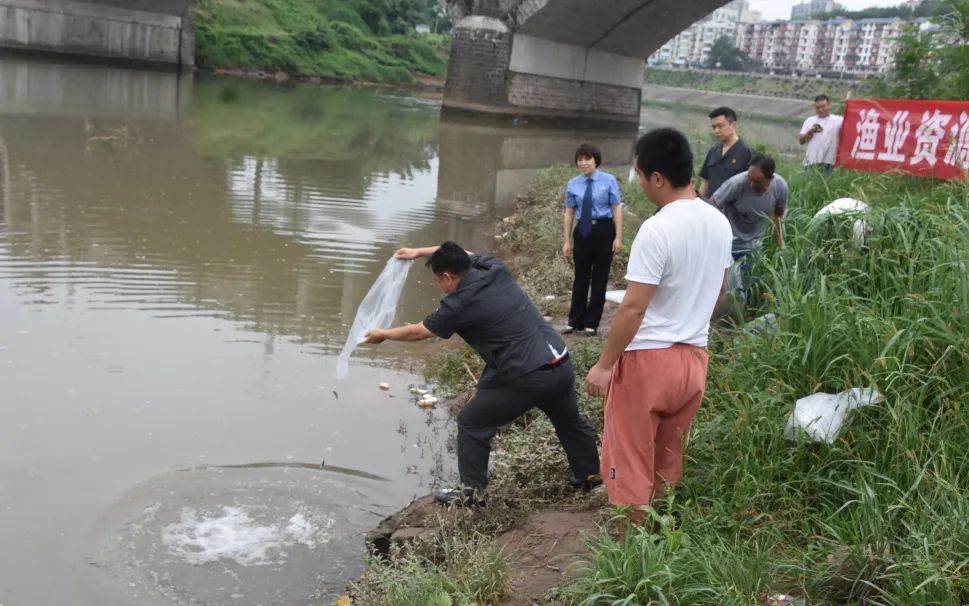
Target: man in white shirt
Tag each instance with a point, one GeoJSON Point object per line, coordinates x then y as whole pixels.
{"type": "Point", "coordinates": [653, 367]}
{"type": "Point", "coordinates": [821, 133]}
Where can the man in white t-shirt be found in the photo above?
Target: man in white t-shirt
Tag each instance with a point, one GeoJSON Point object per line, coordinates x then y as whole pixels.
{"type": "Point", "coordinates": [821, 133]}
{"type": "Point", "coordinates": [653, 367]}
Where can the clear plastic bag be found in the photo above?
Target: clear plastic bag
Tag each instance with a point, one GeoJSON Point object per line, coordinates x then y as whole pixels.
{"type": "Point", "coordinates": [377, 310]}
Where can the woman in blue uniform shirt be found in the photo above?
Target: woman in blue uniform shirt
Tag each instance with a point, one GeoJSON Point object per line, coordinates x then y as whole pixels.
{"type": "Point", "coordinates": [591, 235]}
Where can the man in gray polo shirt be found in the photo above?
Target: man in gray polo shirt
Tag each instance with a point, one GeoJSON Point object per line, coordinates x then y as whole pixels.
{"type": "Point", "coordinates": [750, 200]}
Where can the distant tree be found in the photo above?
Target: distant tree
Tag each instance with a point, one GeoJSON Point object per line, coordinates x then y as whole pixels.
{"type": "Point", "coordinates": [930, 8]}
{"type": "Point", "coordinates": [724, 55]}
{"type": "Point", "coordinates": [926, 8]}
{"type": "Point", "coordinates": [932, 62]}
{"type": "Point", "coordinates": [439, 19]}
{"type": "Point", "coordinates": [400, 16]}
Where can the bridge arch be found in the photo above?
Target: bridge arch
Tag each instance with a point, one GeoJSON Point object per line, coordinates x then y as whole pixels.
{"type": "Point", "coordinates": [564, 59]}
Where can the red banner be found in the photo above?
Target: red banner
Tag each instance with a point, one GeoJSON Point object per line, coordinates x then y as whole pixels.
{"type": "Point", "coordinates": [921, 138]}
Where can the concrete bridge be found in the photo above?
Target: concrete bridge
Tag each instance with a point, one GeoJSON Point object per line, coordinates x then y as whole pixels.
{"type": "Point", "coordinates": [559, 58]}
{"type": "Point", "coordinates": [134, 31]}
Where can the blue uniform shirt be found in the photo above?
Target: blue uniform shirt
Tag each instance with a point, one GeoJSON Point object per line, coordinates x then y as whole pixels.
{"type": "Point", "coordinates": [605, 194]}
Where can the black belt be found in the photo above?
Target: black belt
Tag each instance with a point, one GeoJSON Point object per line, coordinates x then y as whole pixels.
{"type": "Point", "coordinates": [556, 363]}
{"type": "Point", "coordinates": [602, 220]}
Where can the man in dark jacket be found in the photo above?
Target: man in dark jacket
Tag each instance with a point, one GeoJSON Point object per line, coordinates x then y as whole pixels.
{"type": "Point", "coordinates": [526, 364]}
{"type": "Point", "coordinates": [729, 156]}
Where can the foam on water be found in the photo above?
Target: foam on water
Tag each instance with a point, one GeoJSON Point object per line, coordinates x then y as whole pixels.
{"type": "Point", "coordinates": [234, 534]}
{"type": "Point", "coordinates": [224, 537]}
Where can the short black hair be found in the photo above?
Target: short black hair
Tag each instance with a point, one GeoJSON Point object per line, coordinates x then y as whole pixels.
{"type": "Point", "coordinates": [726, 112]}
{"type": "Point", "coordinates": [765, 163]}
{"type": "Point", "coordinates": [451, 258]}
{"type": "Point", "coordinates": [588, 150]}
{"type": "Point", "coordinates": [667, 152]}
{"type": "Point", "coordinates": [822, 97]}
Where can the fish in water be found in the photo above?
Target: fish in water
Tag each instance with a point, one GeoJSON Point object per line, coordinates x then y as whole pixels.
{"type": "Point", "coordinates": [336, 395]}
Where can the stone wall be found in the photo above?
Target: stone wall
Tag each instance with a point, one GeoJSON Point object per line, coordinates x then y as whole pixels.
{"type": "Point", "coordinates": [101, 29]}
{"type": "Point", "coordinates": [480, 79]}
{"type": "Point", "coordinates": [179, 8]}
{"type": "Point", "coordinates": [480, 51]}
{"type": "Point", "coordinates": [591, 99]}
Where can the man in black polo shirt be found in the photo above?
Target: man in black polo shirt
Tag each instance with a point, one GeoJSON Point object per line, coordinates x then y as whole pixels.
{"type": "Point", "coordinates": [728, 157]}
{"type": "Point", "coordinates": [526, 364]}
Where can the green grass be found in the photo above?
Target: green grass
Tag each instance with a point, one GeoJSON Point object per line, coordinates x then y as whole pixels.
{"type": "Point", "coordinates": [319, 38]}
{"type": "Point", "coordinates": [463, 569]}
{"type": "Point", "coordinates": [878, 517]}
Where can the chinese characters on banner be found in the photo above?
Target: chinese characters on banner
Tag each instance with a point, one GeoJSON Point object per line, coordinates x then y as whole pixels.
{"type": "Point", "coordinates": [922, 138]}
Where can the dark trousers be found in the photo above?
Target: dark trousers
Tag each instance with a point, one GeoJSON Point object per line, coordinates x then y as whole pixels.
{"type": "Point", "coordinates": [553, 392]}
{"type": "Point", "coordinates": [593, 256]}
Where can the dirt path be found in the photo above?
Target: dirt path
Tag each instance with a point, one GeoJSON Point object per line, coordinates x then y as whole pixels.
{"type": "Point", "coordinates": [559, 318]}
{"type": "Point", "coordinates": [545, 551]}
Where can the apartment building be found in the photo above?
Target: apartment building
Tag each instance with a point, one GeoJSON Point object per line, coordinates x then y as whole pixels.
{"type": "Point", "coordinates": [859, 47]}
{"type": "Point", "coordinates": [691, 47]}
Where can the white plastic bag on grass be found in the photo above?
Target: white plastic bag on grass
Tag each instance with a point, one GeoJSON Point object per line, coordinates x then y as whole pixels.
{"type": "Point", "coordinates": [766, 323]}
{"type": "Point", "coordinates": [822, 415]}
{"type": "Point", "coordinates": [377, 310]}
{"type": "Point", "coordinates": [848, 206]}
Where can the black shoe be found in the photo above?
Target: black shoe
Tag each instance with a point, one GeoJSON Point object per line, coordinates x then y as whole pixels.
{"type": "Point", "coordinates": [591, 482]}
{"type": "Point", "coordinates": [468, 497]}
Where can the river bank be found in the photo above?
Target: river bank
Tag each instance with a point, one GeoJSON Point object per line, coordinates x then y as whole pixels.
{"type": "Point", "coordinates": [428, 86]}
{"type": "Point", "coordinates": [748, 106]}
{"type": "Point", "coordinates": [756, 84]}
{"type": "Point", "coordinates": [879, 514]}
{"type": "Point", "coordinates": [332, 41]}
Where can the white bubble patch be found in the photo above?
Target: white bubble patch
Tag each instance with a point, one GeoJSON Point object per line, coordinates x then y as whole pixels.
{"type": "Point", "coordinates": [237, 536]}
{"type": "Point", "coordinates": [236, 533]}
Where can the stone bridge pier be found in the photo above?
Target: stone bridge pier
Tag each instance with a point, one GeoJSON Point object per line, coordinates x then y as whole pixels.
{"type": "Point", "coordinates": [559, 59]}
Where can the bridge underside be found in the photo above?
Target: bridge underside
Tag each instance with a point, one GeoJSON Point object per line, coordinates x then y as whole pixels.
{"type": "Point", "coordinates": [568, 59]}
{"type": "Point", "coordinates": [132, 31]}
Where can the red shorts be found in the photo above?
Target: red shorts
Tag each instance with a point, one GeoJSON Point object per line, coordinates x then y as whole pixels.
{"type": "Point", "coordinates": [652, 398]}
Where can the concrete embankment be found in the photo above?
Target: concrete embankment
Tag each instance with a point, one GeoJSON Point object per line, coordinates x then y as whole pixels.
{"type": "Point", "coordinates": [159, 32]}
{"type": "Point", "coordinates": [780, 107]}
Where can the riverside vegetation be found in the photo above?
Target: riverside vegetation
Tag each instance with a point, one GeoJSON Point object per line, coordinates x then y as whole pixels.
{"type": "Point", "coordinates": [881, 516]}
{"type": "Point", "coordinates": [754, 84]}
{"type": "Point", "coordinates": [370, 40]}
